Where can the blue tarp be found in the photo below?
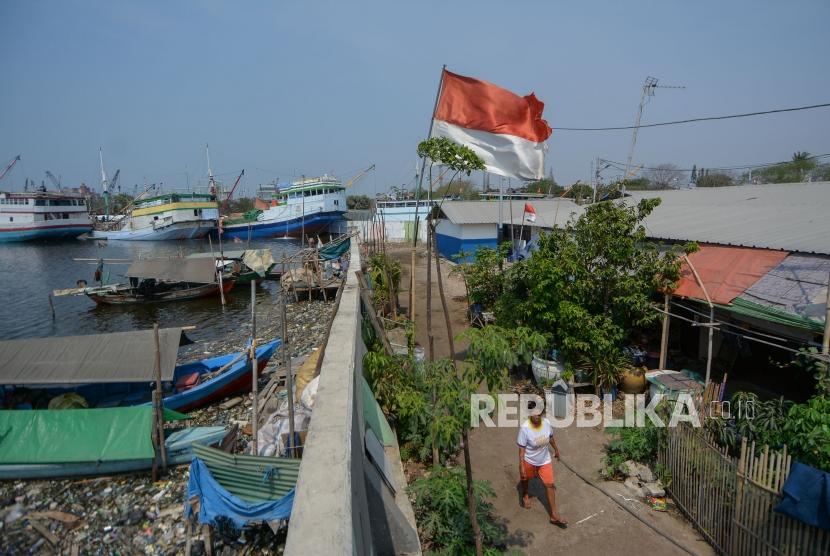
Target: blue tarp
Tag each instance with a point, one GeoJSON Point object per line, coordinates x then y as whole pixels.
{"type": "Point", "coordinates": [807, 496]}
{"type": "Point", "coordinates": [216, 501]}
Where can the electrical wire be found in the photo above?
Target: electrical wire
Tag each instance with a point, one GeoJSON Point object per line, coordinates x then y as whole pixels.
{"type": "Point", "coordinates": [621, 165]}
{"type": "Point", "coordinates": [691, 120]}
{"type": "Point", "coordinates": [626, 508]}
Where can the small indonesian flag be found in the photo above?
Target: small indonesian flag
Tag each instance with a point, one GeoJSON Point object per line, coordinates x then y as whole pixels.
{"type": "Point", "coordinates": [507, 131]}
{"type": "Point", "coordinates": [530, 213]}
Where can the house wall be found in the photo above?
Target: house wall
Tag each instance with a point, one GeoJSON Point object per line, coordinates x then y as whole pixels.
{"type": "Point", "coordinates": [456, 238]}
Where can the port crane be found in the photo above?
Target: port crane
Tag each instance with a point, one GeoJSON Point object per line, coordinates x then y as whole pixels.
{"type": "Point", "coordinates": [230, 193]}
{"type": "Point", "coordinates": [114, 181]}
{"type": "Point", "coordinates": [9, 166]}
{"type": "Point", "coordinates": [55, 181]}
{"type": "Point", "coordinates": [359, 175]}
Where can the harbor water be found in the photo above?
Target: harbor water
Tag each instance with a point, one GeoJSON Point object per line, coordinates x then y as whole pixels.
{"type": "Point", "coordinates": [29, 272]}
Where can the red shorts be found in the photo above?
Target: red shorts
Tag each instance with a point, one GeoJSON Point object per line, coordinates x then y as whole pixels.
{"type": "Point", "coordinates": [544, 472]}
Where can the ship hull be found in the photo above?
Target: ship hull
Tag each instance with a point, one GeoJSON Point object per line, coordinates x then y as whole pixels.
{"type": "Point", "coordinates": [35, 233]}
{"type": "Point", "coordinates": [176, 231]}
{"type": "Point", "coordinates": [295, 227]}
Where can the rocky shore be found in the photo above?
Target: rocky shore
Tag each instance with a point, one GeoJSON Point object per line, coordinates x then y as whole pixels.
{"type": "Point", "coordinates": [129, 514]}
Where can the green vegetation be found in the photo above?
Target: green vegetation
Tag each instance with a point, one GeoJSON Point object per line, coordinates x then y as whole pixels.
{"type": "Point", "coordinates": [483, 275]}
{"type": "Point", "coordinates": [358, 202]}
{"type": "Point", "coordinates": [589, 284]}
{"type": "Point", "coordinates": [439, 501]}
{"type": "Point", "coordinates": [801, 167]}
{"type": "Point", "coordinates": [640, 444]}
{"type": "Point", "coordinates": [385, 274]}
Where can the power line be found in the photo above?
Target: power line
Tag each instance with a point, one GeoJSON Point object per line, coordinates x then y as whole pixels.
{"type": "Point", "coordinates": [690, 120]}
{"type": "Point", "coordinates": [620, 165]}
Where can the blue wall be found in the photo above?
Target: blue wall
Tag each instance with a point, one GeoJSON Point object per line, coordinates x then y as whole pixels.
{"type": "Point", "coordinates": [450, 246]}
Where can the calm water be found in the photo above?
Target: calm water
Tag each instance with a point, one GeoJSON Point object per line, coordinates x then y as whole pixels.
{"type": "Point", "coordinates": [30, 271]}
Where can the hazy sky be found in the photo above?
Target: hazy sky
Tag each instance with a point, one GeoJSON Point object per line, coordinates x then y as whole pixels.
{"type": "Point", "coordinates": [283, 89]}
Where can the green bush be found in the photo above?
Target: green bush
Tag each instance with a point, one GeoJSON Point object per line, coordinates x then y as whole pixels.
{"type": "Point", "coordinates": [440, 503]}
{"type": "Point", "coordinates": [639, 444]}
{"type": "Point", "coordinates": [807, 432]}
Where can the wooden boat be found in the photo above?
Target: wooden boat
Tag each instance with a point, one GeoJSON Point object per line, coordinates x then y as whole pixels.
{"type": "Point", "coordinates": [193, 384]}
{"type": "Point", "coordinates": [119, 369]}
{"type": "Point", "coordinates": [83, 442]}
{"type": "Point", "coordinates": [150, 291]}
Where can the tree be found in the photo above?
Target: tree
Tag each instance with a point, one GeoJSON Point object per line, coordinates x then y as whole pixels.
{"type": "Point", "coordinates": [579, 191]}
{"type": "Point", "coordinates": [664, 176]}
{"type": "Point", "coordinates": [693, 177]}
{"type": "Point", "coordinates": [358, 202]}
{"type": "Point", "coordinates": [591, 283]}
{"type": "Point", "coordinates": [638, 184]}
{"type": "Point", "coordinates": [715, 179]}
{"type": "Point", "coordinates": [547, 186]}
{"type": "Point", "coordinates": [800, 168]}
{"type": "Point", "coordinates": [463, 189]}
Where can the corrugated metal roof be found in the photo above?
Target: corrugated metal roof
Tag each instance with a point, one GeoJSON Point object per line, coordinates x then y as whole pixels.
{"type": "Point", "coordinates": [797, 285]}
{"type": "Point", "coordinates": [793, 217]}
{"type": "Point", "coordinates": [548, 212]}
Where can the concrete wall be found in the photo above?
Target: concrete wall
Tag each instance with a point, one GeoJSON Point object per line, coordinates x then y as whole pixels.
{"type": "Point", "coordinates": [468, 238]}
{"type": "Point", "coordinates": [340, 505]}
{"type": "Point", "coordinates": [396, 230]}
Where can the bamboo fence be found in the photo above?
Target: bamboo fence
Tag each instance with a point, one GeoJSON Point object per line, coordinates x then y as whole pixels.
{"type": "Point", "coordinates": [731, 500]}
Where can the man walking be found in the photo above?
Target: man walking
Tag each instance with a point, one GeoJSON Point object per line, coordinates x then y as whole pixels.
{"type": "Point", "coordinates": [535, 435]}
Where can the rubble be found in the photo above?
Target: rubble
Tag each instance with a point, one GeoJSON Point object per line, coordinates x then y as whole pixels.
{"type": "Point", "coordinates": [640, 480]}
{"type": "Point", "coordinates": [129, 514]}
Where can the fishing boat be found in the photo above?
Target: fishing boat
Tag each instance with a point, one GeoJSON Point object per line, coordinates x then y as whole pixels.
{"type": "Point", "coordinates": [40, 444]}
{"type": "Point", "coordinates": [152, 291]}
{"type": "Point", "coordinates": [304, 207]}
{"type": "Point", "coordinates": [42, 214]}
{"type": "Point", "coordinates": [246, 266]}
{"type": "Point", "coordinates": [118, 370]}
{"type": "Point", "coordinates": [166, 216]}
{"type": "Point", "coordinates": [159, 281]}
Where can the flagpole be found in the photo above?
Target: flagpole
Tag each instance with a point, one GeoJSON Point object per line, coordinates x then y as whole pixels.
{"type": "Point", "coordinates": [424, 161]}
{"type": "Point", "coordinates": [522, 226]}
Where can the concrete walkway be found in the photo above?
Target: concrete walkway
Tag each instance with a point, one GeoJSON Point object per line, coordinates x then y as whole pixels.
{"type": "Point", "coordinates": [605, 527]}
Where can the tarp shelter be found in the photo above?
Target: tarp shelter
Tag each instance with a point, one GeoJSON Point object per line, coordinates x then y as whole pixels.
{"type": "Point", "coordinates": [115, 357]}
{"type": "Point", "coordinates": [77, 435]}
{"type": "Point", "coordinates": [200, 271]}
{"type": "Point", "coordinates": [725, 271]}
{"type": "Point", "coordinates": [258, 260]}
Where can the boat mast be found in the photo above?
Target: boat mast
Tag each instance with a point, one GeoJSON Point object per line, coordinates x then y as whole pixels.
{"type": "Point", "coordinates": [211, 181]}
{"type": "Point", "coordinates": [105, 191]}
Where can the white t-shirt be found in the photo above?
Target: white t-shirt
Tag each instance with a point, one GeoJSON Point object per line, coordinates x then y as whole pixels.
{"type": "Point", "coordinates": [535, 441]}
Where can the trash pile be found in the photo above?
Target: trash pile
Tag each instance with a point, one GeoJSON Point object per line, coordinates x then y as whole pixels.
{"type": "Point", "coordinates": [129, 514]}
{"type": "Point", "coordinates": [640, 480]}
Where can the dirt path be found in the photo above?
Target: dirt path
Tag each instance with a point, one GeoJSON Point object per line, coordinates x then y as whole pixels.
{"type": "Point", "coordinates": [598, 524]}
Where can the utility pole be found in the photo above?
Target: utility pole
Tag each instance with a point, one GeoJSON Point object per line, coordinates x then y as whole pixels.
{"type": "Point", "coordinates": [648, 91]}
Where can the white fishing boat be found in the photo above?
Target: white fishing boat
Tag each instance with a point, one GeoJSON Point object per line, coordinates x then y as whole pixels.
{"type": "Point", "coordinates": [42, 214]}
{"type": "Point", "coordinates": [304, 207]}
{"type": "Point", "coordinates": [163, 217]}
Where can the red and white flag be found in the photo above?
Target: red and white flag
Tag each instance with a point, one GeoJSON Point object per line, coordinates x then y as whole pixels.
{"type": "Point", "coordinates": [530, 213]}
{"type": "Point", "coordinates": [507, 131]}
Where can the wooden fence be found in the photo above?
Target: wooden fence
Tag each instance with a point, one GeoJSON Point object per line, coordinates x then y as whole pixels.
{"type": "Point", "coordinates": [731, 500]}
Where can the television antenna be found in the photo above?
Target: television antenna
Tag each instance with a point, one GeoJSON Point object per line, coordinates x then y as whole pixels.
{"type": "Point", "coordinates": [649, 85]}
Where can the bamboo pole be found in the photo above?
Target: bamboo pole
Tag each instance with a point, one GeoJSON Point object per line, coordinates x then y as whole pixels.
{"type": "Point", "coordinates": [664, 337]}
{"type": "Point", "coordinates": [711, 318]}
{"type": "Point", "coordinates": [254, 375]}
{"type": "Point", "coordinates": [159, 405]}
{"type": "Point", "coordinates": [289, 379]}
{"type": "Point", "coordinates": [221, 286]}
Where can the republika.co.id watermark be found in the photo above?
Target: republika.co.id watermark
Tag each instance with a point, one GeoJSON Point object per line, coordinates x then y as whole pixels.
{"type": "Point", "coordinates": [589, 410]}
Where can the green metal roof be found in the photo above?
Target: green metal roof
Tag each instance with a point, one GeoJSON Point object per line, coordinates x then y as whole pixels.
{"type": "Point", "coordinates": [251, 478]}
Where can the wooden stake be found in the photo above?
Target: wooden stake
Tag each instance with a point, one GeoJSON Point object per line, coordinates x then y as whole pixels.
{"type": "Point", "coordinates": [159, 405]}
{"type": "Point", "coordinates": [52, 306]}
{"type": "Point", "coordinates": [711, 317]}
{"type": "Point", "coordinates": [254, 374]}
{"type": "Point", "coordinates": [221, 288]}
{"type": "Point", "coordinates": [289, 379]}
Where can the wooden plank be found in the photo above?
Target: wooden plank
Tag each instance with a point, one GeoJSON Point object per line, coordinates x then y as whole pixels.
{"type": "Point", "coordinates": [44, 531]}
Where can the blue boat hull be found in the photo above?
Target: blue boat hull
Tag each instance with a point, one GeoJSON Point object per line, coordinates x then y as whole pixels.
{"type": "Point", "coordinates": [312, 224]}
{"type": "Point", "coordinates": [35, 234]}
{"type": "Point", "coordinates": [235, 379]}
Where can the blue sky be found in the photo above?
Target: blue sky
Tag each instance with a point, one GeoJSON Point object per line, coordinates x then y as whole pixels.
{"type": "Point", "coordinates": [283, 89]}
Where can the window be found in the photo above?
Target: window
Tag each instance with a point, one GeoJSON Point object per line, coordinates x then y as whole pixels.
{"type": "Point", "coordinates": [336, 202]}
{"type": "Point", "coordinates": [195, 212]}
{"type": "Point", "coordinates": [66, 216]}
{"type": "Point", "coordinates": [40, 203]}
{"type": "Point", "coordinates": [11, 218]}
{"type": "Point", "coordinates": [155, 218]}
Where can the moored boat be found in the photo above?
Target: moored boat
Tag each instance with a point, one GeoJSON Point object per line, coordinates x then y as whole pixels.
{"type": "Point", "coordinates": [118, 369]}
{"type": "Point", "coordinates": [168, 216]}
{"type": "Point", "coordinates": [42, 214]}
{"type": "Point", "coordinates": [304, 207]}
{"type": "Point", "coordinates": [246, 266]}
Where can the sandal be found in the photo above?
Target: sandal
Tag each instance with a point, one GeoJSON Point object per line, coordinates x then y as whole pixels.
{"type": "Point", "coordinates": [559, 522]}
{"type": "Point", "coordinates": [526, 502]}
